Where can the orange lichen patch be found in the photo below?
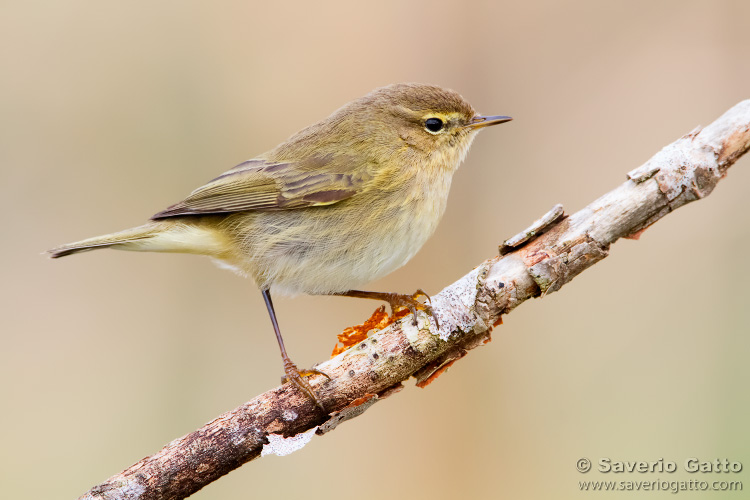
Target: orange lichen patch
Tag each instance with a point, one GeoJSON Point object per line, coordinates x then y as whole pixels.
{"type": "Point", "coordinates": [356, 334]}
{"type": "Point", "coordinates": [360, 401]}
{"type": "Point", "coordinates": [498, 322]}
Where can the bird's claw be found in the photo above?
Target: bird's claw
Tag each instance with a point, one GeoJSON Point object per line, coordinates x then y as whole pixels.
{"type": "Point", "coordinates": [298, 378]}
{"type": "Point", "coordinates": [412, 303]}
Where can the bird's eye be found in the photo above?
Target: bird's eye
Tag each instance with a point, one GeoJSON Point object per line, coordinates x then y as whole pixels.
{"type": "Point", "coordinates": [433, 125]}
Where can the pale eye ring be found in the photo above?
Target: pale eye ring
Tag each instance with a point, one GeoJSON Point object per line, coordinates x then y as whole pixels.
{"type": "Point", "coordinates": [433, 125]}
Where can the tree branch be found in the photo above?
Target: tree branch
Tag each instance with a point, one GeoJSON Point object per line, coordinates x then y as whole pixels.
{"type": "Point", "coordinates": [282, 420]}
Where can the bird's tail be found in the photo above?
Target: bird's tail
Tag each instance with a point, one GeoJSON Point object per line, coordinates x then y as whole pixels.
{"type": "Point", "coordinates": [156, 236]}
{"type": "Point", "coordinates": [130, 239]}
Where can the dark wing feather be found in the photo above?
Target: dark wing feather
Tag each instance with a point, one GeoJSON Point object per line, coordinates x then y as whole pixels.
{"type": "Point", "coordinates": [266, 185]}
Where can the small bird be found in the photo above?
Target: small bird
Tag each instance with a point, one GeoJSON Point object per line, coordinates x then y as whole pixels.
{"type": "Point", "coordinates": [340, 203]}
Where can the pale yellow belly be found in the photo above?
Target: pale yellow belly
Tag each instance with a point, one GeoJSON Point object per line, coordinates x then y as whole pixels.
{"type": "Point", "coordinates": [330, 249]}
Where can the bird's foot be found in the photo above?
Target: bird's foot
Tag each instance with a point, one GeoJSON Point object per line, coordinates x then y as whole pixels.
{"type": "Point", "coordinates": [412, 303]}
{"type": "Point", "coordinates": [298, 378]}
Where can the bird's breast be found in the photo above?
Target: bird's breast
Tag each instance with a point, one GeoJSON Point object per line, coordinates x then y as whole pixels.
{"type": "Point", "coordinates": [340, 246]}
{"type": "Point", "coordinates": [413, 217]}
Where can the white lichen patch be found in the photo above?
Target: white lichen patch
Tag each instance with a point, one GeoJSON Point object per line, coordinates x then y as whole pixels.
{"type": "Point", "coordinates": [122, 488]}
{"type": "Point", "coordinates": [280, 446]}
{"type": "Point", "coordinates": [289, 415]}
{"type": "Point", "coordinates": [454, 306]}
{"type": "Point", "coordinates": [420, 336]}
{"type": "Point", "coordinates": [411, 332]}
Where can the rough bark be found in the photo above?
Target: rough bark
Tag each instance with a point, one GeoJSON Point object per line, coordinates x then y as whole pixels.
{"type": "Point", "coordinates": [282, 420]}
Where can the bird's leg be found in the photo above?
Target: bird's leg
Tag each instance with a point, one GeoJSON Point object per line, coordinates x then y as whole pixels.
{"type": "Point", "coordinates": [293, 374]}
{"type": "Point", "coordinates": [397, 300]}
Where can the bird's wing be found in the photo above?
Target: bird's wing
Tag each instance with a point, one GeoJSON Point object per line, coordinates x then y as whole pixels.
{"type": "Point", "coordinates": [260, 184]}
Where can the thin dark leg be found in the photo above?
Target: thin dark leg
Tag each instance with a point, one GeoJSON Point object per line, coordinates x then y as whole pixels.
{"type": "Point", "coordinates": [395, 300]}
{"type": "Point", "coordinates": [293, 374]}
{"type": "Point", "coordinates": [275, 323]}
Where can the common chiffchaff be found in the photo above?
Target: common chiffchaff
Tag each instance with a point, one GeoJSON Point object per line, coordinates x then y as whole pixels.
{"type": "Point", "coordinates": [340, 203]}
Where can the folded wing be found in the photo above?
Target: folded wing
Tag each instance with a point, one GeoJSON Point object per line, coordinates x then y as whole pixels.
{"type": "Point", "coordinates": [260, 184]}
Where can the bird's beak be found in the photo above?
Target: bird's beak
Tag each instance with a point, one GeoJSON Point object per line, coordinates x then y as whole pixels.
{"type": "Point", "coordinates": [485, 121]}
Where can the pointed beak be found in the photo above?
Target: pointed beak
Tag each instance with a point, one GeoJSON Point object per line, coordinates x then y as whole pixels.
{"type": "Point", "coordinates": [485, 121]}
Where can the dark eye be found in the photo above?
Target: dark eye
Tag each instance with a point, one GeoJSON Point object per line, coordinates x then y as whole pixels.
{"type": "Point", "coordinates": [433, 124]}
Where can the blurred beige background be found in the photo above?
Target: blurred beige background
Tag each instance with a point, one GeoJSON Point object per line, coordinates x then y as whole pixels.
{"type": "Point", "coordinates": [113, 110]}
